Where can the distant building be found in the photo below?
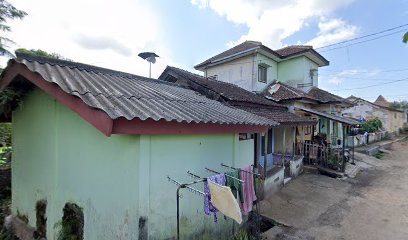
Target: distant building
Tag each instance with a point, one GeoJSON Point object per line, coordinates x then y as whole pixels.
{"type": "Point", "coordinates": [392, 119]}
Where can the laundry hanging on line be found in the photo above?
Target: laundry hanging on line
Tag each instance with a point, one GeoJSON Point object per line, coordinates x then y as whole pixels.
{"type": "Point", "coordinates": [223, 200]}
{"type": "Point", "coordinates": [249, 189]}
{"type": "Point", "coordinates": [235, 185]}
{"type": "Point", "coordinates": [208, 206]}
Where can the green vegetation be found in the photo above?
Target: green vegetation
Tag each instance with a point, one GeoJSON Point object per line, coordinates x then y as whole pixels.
{"type": "Point", "coordinates": [399, 105]}
{"type": "Point", "coordinates": [380, 155]}
{"type": "Point", "coordinates": [241, 235]}
{"type": "Point", "coordinates": [41, 53]}
{"type": "Point", "coordinates": [7, 12]}
{"type": "Point", "coordinates": [372, 125]}
{"type": "Point", "coordinates": [405, 38]}
{"type": "Point", "coordinates": [72, 225]}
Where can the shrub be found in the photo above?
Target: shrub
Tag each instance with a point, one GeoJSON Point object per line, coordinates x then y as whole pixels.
{"type": "Point", "coordinates": [372, 125]}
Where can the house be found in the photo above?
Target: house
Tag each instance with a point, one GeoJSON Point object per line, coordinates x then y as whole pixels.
{"type": "Point", "coordinates": [290, 74]}
{"type": "Point", "coordinates": [392, 119]}
{"type": "Point", "coordinates": [99, 144]}
{"type": "Point", "coordinates": [253, 66]}
{"type": "Point", "coordinates": [269, 146]}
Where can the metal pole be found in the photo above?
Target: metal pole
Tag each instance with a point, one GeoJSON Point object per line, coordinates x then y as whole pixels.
{"type": "Point", "coordinates": [344, 157]}
{"type": "Point", "coordinates": [150, 69]}
{"type": "Point", "coordinates": [178, 211]}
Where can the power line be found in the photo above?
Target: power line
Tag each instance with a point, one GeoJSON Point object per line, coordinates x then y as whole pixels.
{"type": "Point", "coordinates": [374, 85]}
{"type": "Point", "coordinates": [369, 40]}
{"type": "Point", "coordinates": [365, 71]}
{"type": "Point", "coordinates": [365, 36]}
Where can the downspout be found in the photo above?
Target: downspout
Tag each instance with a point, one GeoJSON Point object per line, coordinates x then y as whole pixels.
{"type": "Point", "coordinates": [253, 80]}
{"type": "Point", "coordinates": [283, 148]}
{"type": "Point", "coordinates": [265, 153]}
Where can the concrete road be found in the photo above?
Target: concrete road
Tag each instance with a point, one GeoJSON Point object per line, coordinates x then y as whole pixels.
{"type": "Point", "coordinates": [373, 205]}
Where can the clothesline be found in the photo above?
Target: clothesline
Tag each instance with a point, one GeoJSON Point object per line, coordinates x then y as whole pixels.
{"type": "Point", "coordinates": [253, 173]}
{"type": "Point", "coordinates": [225, 175]}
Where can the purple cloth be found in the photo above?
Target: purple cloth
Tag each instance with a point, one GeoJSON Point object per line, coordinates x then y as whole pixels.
{"type": "Point", "coordinates": [208, 207]}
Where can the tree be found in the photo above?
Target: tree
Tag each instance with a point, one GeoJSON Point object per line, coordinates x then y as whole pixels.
{"type": "Point", "coordinates": [41, 53]}
{"type": "Point", "coordinates": [7, 12]}
{"type": "Point", "coordinates": [405, 38]}
{"type": "Point", "coordinates": [399, 105]}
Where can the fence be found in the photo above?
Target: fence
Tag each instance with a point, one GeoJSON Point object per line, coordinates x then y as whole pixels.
{"type": "Point", "coordinates": [326, 156]}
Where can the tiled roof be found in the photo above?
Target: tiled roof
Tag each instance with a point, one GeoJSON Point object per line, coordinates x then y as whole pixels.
{"type": "Point", "coordinates": [279, 91]}
{"type": "Point", "coordinates": [356, 99]}
{"type": "Point", "coordinates": [238, 97]}
{"type": "Point", "coordinates": [326, 97]}
{"type": "Point", "coordinates": [248, 47]}
{"type": "Point", "coordinates": [381, 101]}
{"type": "Point", "coordinates": [228, 91]}
{"type": "Point", "coordinates": [293, 50]}
{"type": "Point", "coordinates": [245, 46]}
{"type": "Point", "coordinates": [120, 94]}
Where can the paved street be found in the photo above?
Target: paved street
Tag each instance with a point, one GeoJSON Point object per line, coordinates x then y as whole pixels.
{"type": "Point", "coordinates": [373, 205]}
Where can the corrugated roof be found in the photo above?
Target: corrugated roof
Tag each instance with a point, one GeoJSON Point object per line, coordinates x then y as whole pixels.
{"type": "Point", "coordinates": [130, 96]}
{"type": "Point", "coordinates": [236, 96]}
{"type": "Point", "coordinates": [228, 91]}
{"type": "Point", "coordinates": [329, 116]}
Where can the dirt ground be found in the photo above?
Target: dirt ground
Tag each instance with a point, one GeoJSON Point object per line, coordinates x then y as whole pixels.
{"type": "Point", "coordinates": [373, 205]}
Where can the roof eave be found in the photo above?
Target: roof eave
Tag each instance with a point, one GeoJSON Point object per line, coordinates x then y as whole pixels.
{"type": "Point", "coordinates": [205, 64]}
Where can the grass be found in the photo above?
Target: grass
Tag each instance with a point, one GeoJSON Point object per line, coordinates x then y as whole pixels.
{"type": "Point", "coordinates": [380, 155]}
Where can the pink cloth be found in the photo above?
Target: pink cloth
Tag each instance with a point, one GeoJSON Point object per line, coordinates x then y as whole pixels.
{"type": "Point", "coordinates": [249, 190]}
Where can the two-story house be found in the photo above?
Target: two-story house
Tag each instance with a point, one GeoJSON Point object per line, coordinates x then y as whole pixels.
{"type": "Point", "coordinates": [253, 66]}
{"type": "Point", "coordinates": [289, 76]}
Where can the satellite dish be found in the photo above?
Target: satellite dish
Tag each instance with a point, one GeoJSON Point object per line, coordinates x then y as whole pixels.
{"type": "Point", "coordinates": [150, 57]}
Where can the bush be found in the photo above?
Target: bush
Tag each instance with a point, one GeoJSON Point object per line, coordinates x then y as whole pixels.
{"type": "Point", "coordinates": [372, 125]}
{"type": "Point", "coordinates": [5, 134]}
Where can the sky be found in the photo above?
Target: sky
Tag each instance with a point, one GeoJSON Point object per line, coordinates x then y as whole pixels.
{"type": "Point", "coordinates": [184, 33]}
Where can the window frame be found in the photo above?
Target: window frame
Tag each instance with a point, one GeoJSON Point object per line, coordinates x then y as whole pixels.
{"type": "Point", "coordinates": [260, 73]}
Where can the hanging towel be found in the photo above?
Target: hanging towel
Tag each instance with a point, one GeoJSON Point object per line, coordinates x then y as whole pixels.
{"type": "Point", "coordinates": [208, 206]}
{"type": "Point", "coordinates": [249, 190]}
{"type": "Point", "coordinates": [235, 185]}
{"type": "Point", "coordinates": [224, 201]}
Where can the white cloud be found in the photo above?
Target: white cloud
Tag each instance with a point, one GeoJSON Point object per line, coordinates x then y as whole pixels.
{"type": "Point", "coordinates": [273, 21]}
{"type": "Point", "coordinates": [350, 74]}
{"type": "Point", "coordinates": [333, 31]}
{"type": "Point", "coordinates": [97, 32]}
{"type": "Point", "coordinates": [335, 81]}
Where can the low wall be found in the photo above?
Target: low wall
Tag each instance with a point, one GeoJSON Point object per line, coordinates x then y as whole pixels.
{"type": "Point", "coordinates": [360, 139]}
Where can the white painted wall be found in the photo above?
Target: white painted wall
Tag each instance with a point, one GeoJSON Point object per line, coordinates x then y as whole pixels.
{"type": "Point", "coordinates": [240, 72]}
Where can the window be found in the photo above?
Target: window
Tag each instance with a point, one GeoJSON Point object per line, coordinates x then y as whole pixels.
{"type": "Point", "coordinates": [262, 74]}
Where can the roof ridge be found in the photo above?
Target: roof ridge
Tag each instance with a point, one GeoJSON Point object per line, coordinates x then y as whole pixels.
{"type": "Point", "coordinates": [89, 68]}
{"type": "Point", "coordinates": [207, 78]}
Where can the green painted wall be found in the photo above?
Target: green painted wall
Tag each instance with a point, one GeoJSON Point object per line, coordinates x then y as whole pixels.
{"type": "Point", "coordinates": [60, 157]}
{"type": "Point", "coordinates": [271, 72]}
{"type": "Point", "coordinates": [297, 70]}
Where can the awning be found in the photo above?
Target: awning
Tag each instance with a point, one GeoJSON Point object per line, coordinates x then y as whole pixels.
{"type": "Point", "coordinates": [340, 119]}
